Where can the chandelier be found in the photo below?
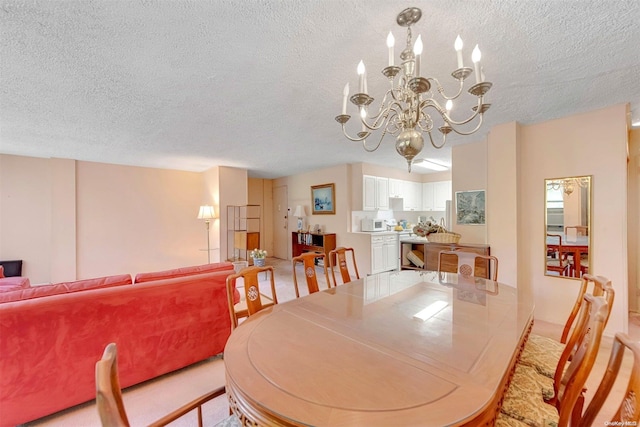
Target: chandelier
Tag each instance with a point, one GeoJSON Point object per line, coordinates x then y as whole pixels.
{"type": "Point", "coordinates": [568, 184]}
{"type": "Point", "coordinates": [410, 107]}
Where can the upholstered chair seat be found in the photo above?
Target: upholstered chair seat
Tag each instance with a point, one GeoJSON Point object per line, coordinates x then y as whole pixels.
{"type": "Point", "coordinates": [543, 354]}
{"type": "Point", "coordinates": [524, 400]}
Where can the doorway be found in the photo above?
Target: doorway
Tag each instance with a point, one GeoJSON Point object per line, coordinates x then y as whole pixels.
{"type": "Point", "coordinates": [280, 223]}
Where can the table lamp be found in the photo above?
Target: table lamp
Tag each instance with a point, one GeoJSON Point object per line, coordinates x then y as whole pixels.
{"type": "Point", "coordinates": [299, 212]}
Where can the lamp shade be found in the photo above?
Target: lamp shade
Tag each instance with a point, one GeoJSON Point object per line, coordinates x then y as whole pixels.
{"type": "Point", "coordinates": [299, 212]}
{"type": "Point", "coordinates": [206, 212]}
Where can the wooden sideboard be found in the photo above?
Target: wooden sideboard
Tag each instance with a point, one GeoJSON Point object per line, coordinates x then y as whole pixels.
{"type": "Point", "coordinates": [312, 242]}
{"type": "Point", "coordinates": [431, 252]}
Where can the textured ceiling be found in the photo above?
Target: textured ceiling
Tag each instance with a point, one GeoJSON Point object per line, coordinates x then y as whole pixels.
{"type": "Point", "coordinates": [256, 84]}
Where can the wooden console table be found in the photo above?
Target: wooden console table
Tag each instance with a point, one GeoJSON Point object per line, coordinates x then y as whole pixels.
{"type": "Point", "coordinates": [358, 354]}
{"type": "Point", "coordinates": [312, 242]}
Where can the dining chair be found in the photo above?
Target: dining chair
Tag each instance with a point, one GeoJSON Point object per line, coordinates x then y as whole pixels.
{"type": "Point", "coordinates": [339, 256]}
{"type": "Point", "coordinates": [524, 400]}
{"type": "Point", "coordinates": [557, 259]}
{"type": "Point", "coordinates": [467, 263]}
{"type": "Point", "coordinates": [253, 300]}
{"type": "Point", "coordinates": [543, 353]}
{"type": "Point", "coordinates": [628, 413]}
{"type": "Point", "coordinates": [111, 405]}
{"type": "Point", "coordinates": [308, 260]}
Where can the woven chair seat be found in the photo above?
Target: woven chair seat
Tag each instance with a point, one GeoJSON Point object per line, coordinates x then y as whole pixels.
{"type": "Point", "coordinates": [542, 353]}
{"type": "Point", "coordinates": [503, 420]}
{"type": "Point", "coordinates": [524, 402]}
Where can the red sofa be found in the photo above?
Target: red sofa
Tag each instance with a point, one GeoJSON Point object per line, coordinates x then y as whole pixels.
{"type": "Point", "coordinates": [49, 344]}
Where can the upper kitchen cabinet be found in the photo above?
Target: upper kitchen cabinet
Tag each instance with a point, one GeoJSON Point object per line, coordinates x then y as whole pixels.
{"type": "Point", "coordinates": [375, 193]}
{"type": "Point", "coordinates": [396, 188]}
{"type": "Point", "coordinates": [435, 195]}
{"type": "Point", "coordinates": [412, 196]}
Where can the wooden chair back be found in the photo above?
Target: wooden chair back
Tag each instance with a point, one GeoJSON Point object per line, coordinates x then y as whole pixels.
{"type": "Point", "coordinates": [601, 287]}
{"type": "Point", "coordinates": [339, 256]}
{"type": "Point", "coordinates": [582, 348]}
{"type": "Point", "coordinates": [628, 412]}
{"type": "Point", "coordinates": [308, 260]}
{"type": "Point", "coordinates": [556, 256]}
{"type": "Point", "coordinates": [254, 301]}
{"type": "Point", "coordinates": [109, 395]}
{"type": "Point", "coordinates": [467, 263]}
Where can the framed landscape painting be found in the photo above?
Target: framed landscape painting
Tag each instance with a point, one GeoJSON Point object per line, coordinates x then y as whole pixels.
{"type": "Point", "coordinates": [470, 207]}
{"type": "Point", "coordinates": [323, 199]}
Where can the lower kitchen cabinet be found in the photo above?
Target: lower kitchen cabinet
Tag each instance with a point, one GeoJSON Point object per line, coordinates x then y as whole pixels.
{"type": "Point", "coordinates": [384, 253]}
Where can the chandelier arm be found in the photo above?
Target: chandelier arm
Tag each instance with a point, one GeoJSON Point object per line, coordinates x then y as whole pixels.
{"type": "Point", "coordinates": [459, 132]}
{"type": "Point", "coordinates": [370, 150]}
{"type": "Point", "coordinates": [430, 103]}
{"type": "Point", "coordinates": [444, 140]}
{"type": "Point", "coordinates": [344, 131]}
{"type": "Point", "coordinates": [441, 89]}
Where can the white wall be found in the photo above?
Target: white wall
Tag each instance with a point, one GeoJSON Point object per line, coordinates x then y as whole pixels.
{"type": "Point", "coordinates": [469, 172]}
{"type": "Point", "coordinates": [71, 220]}
{"type": "Point", "coordinates": [593, 143]}
{"type": "Point", "coordinates": [634, 219]}
{"type": "Point", "coordinates": [299, 193]}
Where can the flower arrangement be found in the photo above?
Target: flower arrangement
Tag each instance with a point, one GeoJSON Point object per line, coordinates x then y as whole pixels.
{"type": "Point", "coordinates": [258, 253]}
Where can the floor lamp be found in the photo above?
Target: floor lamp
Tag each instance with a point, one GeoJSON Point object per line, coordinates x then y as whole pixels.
{"type": "Point", "coordinates": [206, 212]}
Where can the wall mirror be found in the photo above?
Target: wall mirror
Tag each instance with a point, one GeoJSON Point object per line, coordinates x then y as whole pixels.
{"type": "Point", "coordinates": [568, 226]}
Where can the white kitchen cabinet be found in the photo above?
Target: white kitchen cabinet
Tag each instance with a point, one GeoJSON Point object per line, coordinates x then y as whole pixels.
{"type": "Point", "coordinates": [442, 194]}
{"type": "Point", "coordinates": [396, 187]}
{"type": "Point", "coordinates": [375, 193]}
{"type": "Point", "coordinates": [391, 252]}
{"type": "Point", "coordinates": [412, 197]}
{"type": "Point", "coordinates": [435, 195]}
{"type": "Point", "coordinates": [384, 253]}
{"type": "Point", "coordinates": [428, 195]}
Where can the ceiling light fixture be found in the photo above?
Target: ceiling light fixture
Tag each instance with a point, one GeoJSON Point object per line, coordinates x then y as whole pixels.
{"type": "Point", "coordinates": [430, 164]}
{"type": "Point", "coordinates": [409, 107]}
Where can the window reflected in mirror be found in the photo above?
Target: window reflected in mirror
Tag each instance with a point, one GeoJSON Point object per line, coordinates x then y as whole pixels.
{"type": "Point", "coordinates": [568, 226]}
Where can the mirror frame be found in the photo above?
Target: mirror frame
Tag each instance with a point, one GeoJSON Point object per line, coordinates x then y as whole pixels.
{"type": "Point", "coordinates": [575, 183]}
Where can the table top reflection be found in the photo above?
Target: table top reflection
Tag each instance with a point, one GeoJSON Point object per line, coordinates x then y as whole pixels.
{"type": "Point", "coordinates": [399, 348]}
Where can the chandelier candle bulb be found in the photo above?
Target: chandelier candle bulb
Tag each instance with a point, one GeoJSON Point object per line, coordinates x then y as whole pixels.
{"type": "Point", "coordinates": [475, 57]}
{"type": "Point", "coordinates": [390, 43]}
{"type": "Point", "coordinates": [361, 74]}
{"type": "Point", "coordinates": [449, 106]}
{"type": "Point", "coordinates": [345, 95]}
{"type": "Point", "coordinates": [417, 50]}
{"type": "Point", "coordinates": [458, 47]}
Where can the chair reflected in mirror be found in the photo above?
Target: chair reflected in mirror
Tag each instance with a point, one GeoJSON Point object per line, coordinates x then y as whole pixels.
{"type": "Point", "coordinates": [557, 259]}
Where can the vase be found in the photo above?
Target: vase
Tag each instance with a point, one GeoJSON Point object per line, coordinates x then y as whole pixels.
{"type": "Point", "coordinates": [258, 262]}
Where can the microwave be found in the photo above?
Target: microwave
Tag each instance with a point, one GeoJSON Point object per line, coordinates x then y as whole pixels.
{"type": "Point", "coordinates": [369, 224]}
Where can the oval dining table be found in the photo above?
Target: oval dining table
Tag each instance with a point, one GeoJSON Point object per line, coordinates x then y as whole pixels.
{"type": "Point", "coordinates": [408, 348]}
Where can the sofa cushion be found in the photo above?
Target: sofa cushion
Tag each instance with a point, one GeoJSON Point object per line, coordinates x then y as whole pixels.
{"type": "Point", "coordinates": [184, 271]}
{"type": "Point", "coordinates": [188, 271]}
{"type": "Point", "coordinates": [8, 284]}
{"type": "Point", "coordinates": [1, 271]}
{"type": "Point", "coordinates": [64, 288]}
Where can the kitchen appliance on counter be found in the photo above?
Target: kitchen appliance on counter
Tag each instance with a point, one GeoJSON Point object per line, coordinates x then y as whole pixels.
{"type": "Point", "coordinates": [369, 224]}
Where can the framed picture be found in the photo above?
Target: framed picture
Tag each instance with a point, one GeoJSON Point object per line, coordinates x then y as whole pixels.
{"type": "Point", "coordinates": [470, 207]}
{"type": "Point", "coordinates": [323, 199]}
